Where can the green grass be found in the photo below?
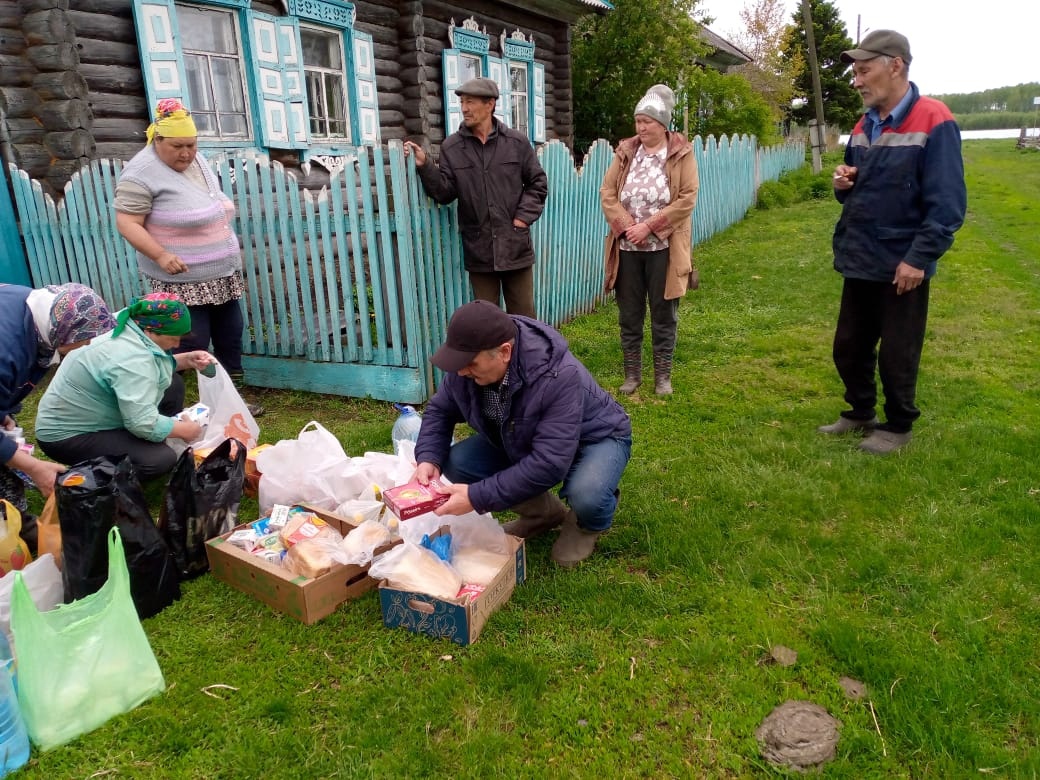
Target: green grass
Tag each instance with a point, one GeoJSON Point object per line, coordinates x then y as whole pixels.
{"type": "Point", "coordinates": [740, 528]}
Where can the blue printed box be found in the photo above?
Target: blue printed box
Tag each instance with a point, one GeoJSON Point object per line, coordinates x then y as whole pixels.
{"type": "Point", "coordinates": [442, 619]}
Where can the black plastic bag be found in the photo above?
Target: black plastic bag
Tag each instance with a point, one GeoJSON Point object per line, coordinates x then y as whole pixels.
{"type": "Point", "coordinates": [202, 503]}
{"type": "Point", "coordinates": [92, 497]}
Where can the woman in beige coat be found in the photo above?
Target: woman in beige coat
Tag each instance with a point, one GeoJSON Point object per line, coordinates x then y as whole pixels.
{"type": "Point", "coordinates": [648, 195]}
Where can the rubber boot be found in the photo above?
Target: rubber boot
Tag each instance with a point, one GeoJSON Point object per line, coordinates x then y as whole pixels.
{"type": "Point", "coordinates": [663, 373]}
{"type": "Point", "coordinates": [537, 515]}
{"type": "Point", "coordinates": [574, 544]}
{"type": "Point", "coordinates": [633, 372]}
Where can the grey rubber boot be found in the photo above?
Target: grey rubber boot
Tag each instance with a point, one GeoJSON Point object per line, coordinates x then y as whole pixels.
{"type": "Point", "coordinates": [663, 373]}
{"type": "Point", "coordinates": [537, 515]}
{"type": "Point", "coordinates": [574, 544]}
{"type": "Point", "coordinates": [633, 372]}
{"type": "Point", "coordinates": [847, 425]}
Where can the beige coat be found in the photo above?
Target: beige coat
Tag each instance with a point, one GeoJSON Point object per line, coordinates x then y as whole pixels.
{"type": "Point", "coordinates": [672, 222]}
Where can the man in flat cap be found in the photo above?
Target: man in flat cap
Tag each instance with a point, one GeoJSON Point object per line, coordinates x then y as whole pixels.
{"type": "Point", "coordinates": [540, 419]}
{"type": "Point", "coordinates": [903, 197]}
{"type": "Point", "coordinates": [494, 173]}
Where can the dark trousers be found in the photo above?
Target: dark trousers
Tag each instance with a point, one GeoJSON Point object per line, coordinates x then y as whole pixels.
{"type": "Point", "coordinates": [877, 328]}
{"type": "Point", "coordinates": [516, 288]}
{"type": "Point", "coordinates": [150, 458]}
{"type": "Point", "coordinates": [221, 324]}
{"type": "Point", "coordinates": [641, 277]}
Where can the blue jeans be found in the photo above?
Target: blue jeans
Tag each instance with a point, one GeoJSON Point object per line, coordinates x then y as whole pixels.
{"type": "Point", "coordinates": [590, 486]}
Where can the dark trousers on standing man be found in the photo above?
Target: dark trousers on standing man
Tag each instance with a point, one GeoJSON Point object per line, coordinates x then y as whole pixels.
{"type": "Point", "coordinates": [641, 278]}
{"type": "Point", "coordinates": [515, 288]}
{"type": "Point", "coordinates": [882, 330]}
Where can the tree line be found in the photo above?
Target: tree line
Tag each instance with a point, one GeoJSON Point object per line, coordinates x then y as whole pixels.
{"type": "Point", "coordinates": [617, 56]}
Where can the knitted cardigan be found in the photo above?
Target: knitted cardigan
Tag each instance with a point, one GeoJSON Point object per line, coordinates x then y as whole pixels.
{"type": "Point", "coordinates": [186, 221]}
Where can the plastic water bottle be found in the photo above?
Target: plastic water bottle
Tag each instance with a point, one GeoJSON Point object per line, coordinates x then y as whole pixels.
{"type": "Point", "coordinates": [14, 742]}
{"type": "Point", "coordinates": [406, 427]}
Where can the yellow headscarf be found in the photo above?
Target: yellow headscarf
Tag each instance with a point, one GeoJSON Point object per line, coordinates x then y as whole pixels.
{"type": "Point", "coordinates": [172, 120]}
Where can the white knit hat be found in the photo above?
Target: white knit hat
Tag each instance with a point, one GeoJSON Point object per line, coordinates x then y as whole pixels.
{"type": "Point", "coordinates": [658, 104]}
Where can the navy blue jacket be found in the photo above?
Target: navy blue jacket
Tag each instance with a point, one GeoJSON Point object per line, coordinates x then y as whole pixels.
{"type": "Point", "coordinates": [19, 369]}
{"type": "Point", "coordinates": [554, 406]}
{"type": "Point", "coordinates": [909, 195]}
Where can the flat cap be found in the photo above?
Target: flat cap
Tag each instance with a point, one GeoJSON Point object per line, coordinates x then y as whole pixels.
{"type": "Point", "coordinates": [879, 43]}
{"type": "Point", "coordinates": [478, 87]}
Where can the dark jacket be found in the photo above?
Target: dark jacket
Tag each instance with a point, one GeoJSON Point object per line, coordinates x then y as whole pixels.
{"type": "Point", "coordinates": [554, 407]}
{"type": "Point", "coordinates": [494, 183]}
{"type": "Point", "coordinates": [20, 370]}
{"type": "Point", "coordinates": [909, 195]}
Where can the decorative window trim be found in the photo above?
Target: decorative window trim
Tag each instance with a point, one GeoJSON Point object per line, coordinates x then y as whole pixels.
{"type": "Point", "coordinates": [468, 38]}
{"type": "Point", "coordinates": [337, 14]}
{"type": "Point", "coordinates": [516, 46]}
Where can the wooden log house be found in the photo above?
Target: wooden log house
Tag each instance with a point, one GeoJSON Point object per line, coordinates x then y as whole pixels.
{"type": "Point", "coordinates": [299, 80]}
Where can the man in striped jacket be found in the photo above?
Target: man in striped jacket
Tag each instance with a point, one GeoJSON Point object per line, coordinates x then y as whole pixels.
{"type": "Point", "coordinates": [903, 197]}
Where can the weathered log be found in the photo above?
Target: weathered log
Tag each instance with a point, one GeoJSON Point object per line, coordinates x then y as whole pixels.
{"type": "Point", "coordinates": [43, 27]}
{"type": "Point", "coordinates": [63, 85]}
{"type": "Point", "coordinates": [416, 75]}
{"type": "Point", "coordinates": [97, 52]}
{"type": "Point", "coordinates": [70, 144]}
{"type": "Point", "coordinates": [11, 17]}
{"type": "Point", "coordinates": [385, 37]}
{"type": "Point", "coordinates": [413, 92]}
{"type": "Point", "coordinates": [32, 158]}
{"type": "Point", "coordinates": [113, 78]}
{"type": "Point", "coordinates": [11, 40]}
{"type": "Point", "coordinates": [17, 71]}
{"type": "Point", "coordinates": [107, 26]}
{"type": "Point", "coordinates": [18, 101]}
{"type": "Point", "coordinates": [375, 15]}
{"type": "Point", "coordinates": [54, 56]}
{"type": "Point", "coordinates": [387, 84]}
{"type": "Point", "coordinates": [118, 151]}
{"type": "Point", "coordinates": [108, 104]}
{"type": "Point", "coordinates": [60, 171]}
{"type": "Point", "coordinates": [30, 6]}
{"type": "Point", "coordinates": [417, 126]}
{"type": "Point", "coordinates": [118, 130]}
{"type": "Point", "coordinates": [389, 119]}
{"type": "Point", "coordinates": [65, 114]}
{"type": "Point", "coordinates": [412, 59]}
{"type": "Point", "coordinates": [25, 131]}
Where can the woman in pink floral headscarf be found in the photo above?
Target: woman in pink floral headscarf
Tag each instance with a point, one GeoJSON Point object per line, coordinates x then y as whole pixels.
{"type": "Point", "coordinates": [170, 207]}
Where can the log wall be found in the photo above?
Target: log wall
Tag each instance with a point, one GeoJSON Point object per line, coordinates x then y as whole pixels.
{"type": "Point", "coordinates": [71, 87]}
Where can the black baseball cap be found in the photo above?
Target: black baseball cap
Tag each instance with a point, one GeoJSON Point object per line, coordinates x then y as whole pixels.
{"type": "Point", "coordinates": [474, 327]}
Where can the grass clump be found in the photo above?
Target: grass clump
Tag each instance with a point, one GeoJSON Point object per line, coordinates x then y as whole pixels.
{"type": "Point", "coordinates": [799, 186]}
{"type": "Point", "coordinates": [740, 528]}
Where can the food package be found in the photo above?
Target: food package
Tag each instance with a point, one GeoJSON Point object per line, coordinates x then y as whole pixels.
{"type": "Point", "coordinates": [310, 557]}
{"type": "Point", "coordinates": [306, 525]}
{"type": "Point", "coordinates": [412, 499]}
{"type": "Point", "coordinates": [410, 567]}
{"type": "Point", "coordinates": [476, 566]}
{"type": "Point", "coordinates": [359, 545]}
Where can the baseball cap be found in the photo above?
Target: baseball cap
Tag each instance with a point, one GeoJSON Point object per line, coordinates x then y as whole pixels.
{"type": "Point", "coordinates": [879, 43]}
{"type": "Point", "coordinates": [478, 87]}
{"type": "Point", "coordinates": [474, 327]}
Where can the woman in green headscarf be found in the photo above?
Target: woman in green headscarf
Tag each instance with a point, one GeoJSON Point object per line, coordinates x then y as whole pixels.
{"type": "Point", "coordinates": [107, 398]}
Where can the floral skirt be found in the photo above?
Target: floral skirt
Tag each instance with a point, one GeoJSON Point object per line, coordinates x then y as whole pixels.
{"type": "Point", "coordinates": [214, 292]}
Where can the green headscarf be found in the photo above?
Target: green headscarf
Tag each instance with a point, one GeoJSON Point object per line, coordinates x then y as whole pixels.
{"type": "Point", "coordinates": [160, 313]}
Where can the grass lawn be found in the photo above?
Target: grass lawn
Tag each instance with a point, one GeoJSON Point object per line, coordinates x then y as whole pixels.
{"type": "Point", "coordinates": [740, 528]}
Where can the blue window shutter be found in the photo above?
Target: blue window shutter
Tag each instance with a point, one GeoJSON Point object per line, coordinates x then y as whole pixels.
{"type": "Point", "coordinates": [538, 101]}
{"type": "Point", "coordinates": [451, 68]}
{"type": "Point", "coordinates": [365, 89]}
{"type": "Point", "coordinates": [498, 72]}
{"type": "Point", "coordinates": [278, 76]}
{"type": "Point", "coordinates": [161, 62]}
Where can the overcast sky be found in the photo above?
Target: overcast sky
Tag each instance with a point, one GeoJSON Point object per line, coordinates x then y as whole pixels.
{"type": "Point", "coordinates": [957, 46]}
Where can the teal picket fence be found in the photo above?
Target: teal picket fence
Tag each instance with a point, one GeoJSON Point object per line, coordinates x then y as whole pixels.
{"type": "Point", "coordinates": [349, 288]}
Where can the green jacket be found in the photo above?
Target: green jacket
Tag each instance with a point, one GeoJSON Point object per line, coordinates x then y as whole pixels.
{"type": "Point", "coordinates": [111, 383]}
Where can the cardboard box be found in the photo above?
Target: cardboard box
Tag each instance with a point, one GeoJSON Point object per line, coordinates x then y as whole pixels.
{"type": "Point", "coordinates": [307, 600]}
{"type": "Point", "coordinates": [251, 487]}
{"type": "Point", "coordinates": [461, 623]}
{"type": "Point", "coordinates": [413, 499]}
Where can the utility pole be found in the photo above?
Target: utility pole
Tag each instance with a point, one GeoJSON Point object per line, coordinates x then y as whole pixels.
{"type": "Point", "coordinates": [815, 132]}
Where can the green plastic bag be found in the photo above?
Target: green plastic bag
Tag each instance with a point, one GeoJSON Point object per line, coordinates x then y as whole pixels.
{"type": "Point", "coordinates": [82, 663]}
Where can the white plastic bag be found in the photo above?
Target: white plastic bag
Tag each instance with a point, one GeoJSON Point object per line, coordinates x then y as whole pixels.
{"type": "Point", "coordinates": [229, 417]}
{"type": "Point", "coordinates": [43, 579]}
{"type": "Point", "coordinates": [410, 567]}
{"type": "Point", "coordinates": [303, 470]}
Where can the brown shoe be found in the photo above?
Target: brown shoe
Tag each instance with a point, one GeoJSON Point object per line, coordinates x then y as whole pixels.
{"type": "Point", "coordinates": [847, 425]}
{"type": "Point", "coordinates": [575, 543]}
{"type": "Point", "coordinates": [538, 515]}
{"type": "Point", "coordinates": [884, 442]}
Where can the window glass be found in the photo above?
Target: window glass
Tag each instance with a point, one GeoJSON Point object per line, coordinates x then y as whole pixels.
{"type": "Point", "coordinates": [469, 68]}
{"type": "Point", "coordinates": [326, 80]}
{"type": "Point", "coordinates": [518, 98]}
{"type": "Point", "coordinates": [213, 68]}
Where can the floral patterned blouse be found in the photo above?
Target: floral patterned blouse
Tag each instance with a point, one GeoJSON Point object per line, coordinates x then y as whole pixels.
{"type": "Point", "coordinates": [644, 194]}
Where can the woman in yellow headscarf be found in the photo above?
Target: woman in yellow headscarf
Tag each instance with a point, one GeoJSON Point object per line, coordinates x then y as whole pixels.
{"type": "Point", "coordinates": [170, 207]}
